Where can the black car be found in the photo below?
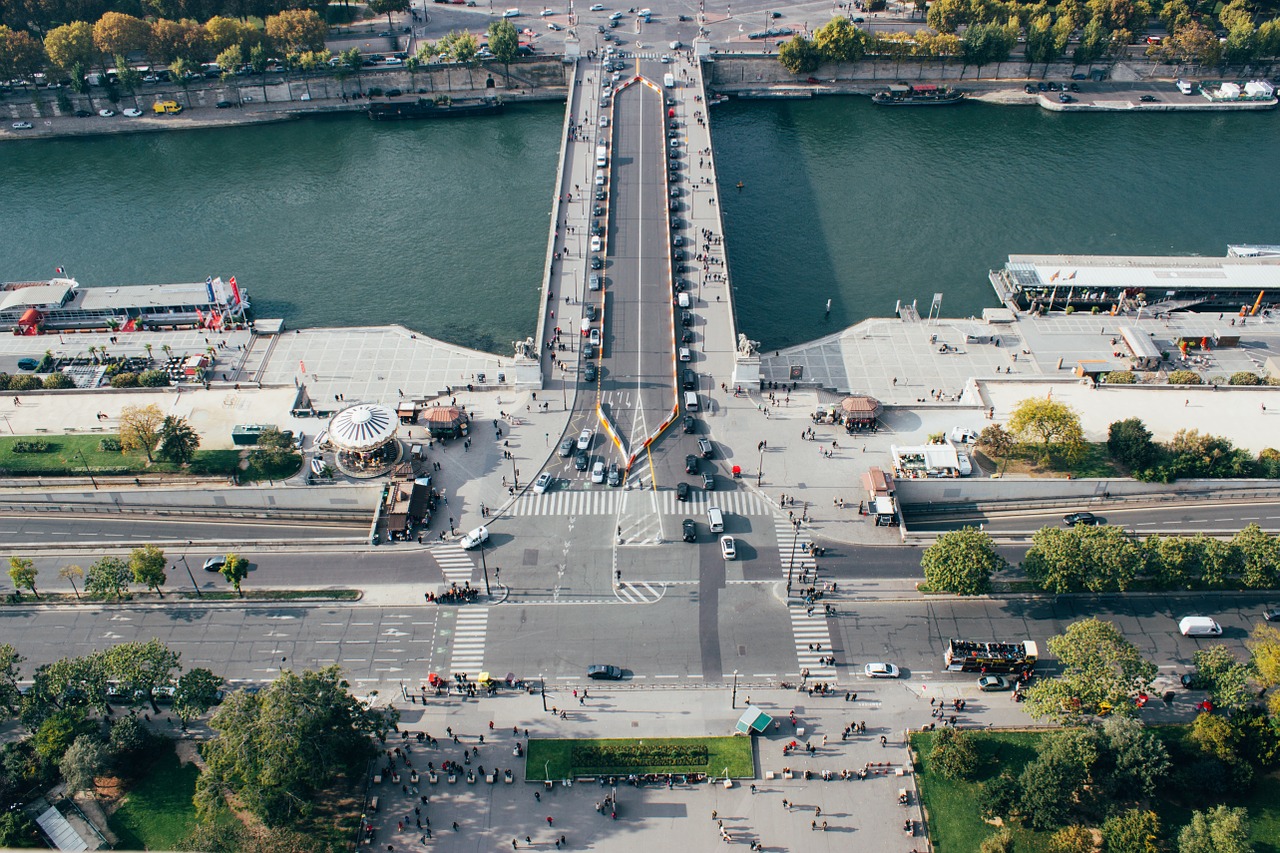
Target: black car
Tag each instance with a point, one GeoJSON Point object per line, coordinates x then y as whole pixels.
{"type": "Point", "coordinates": [582, 461]}
{"type": "Point", "coordinates": [691, 464]}
{"type": "Point", "coordinates": [82, 113]}
{"type": "Point", "coordinates": [679, 254]}
{"type": "Point", "coordinates": [591, 311]}
{"type": "Point", "coordinates": [1029, 89]}
{"type": "Point", "coordinates": [588, 350]}
{"type": "Point", "coordinates": [708, 481]}
{"type": "Point", "coordinates": [597, 210]}
{"type": "Point", "coordinates": [1148, 99]}
{"type": "Point", "coordinates": [679, 224]}
{"type": "Point", "coordinates": [689, 529]}
{"type": "Point", "coordinates": [686, 319]}
{"type": "Point", "coordinates": [1073, 87]}
{"type": "Point", "coordinates": [589, 373]}
{"type": "Point", "coordinates": [682, 491]}
{"type": "Point", "coordinates": [1065, 98]}
{"type": "Point", "coordinates": [686, 337]}
{"type": "Point", "coordinates": [675, 165]}
{"type": "Point", "coordinates": [394, 93]}
{"type": "Point", "coordinates": [604, 671]}
{"type": "Point", "coordinates": [222, 105]}
{"type": "Point", "coordinates": [596, 263]}
{"type": "Point", "coordinates": [214, 564]}
{"type": "Point", "coordinates": [601, 195]}
{"type": "Point", "coordinates": [690, 424]}
{"type": "Point", "coordinates": [689, 380]}
{"type": "Point", "coordinates": [597, 229]}
{"type": "Point", "coordinates": [1085, 518]}
{"type": "Point", "coordinates": [676, 192]}
{"type": "Point", "coordinates": [615, 474]}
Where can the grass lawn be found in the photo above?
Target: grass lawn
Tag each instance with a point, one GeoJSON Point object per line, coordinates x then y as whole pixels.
{"type": "Point", "coordinates": [157, 812]}
{"type": "Point", "coordinates": [956, 827]}
{"type": "Point", "coordinates": [69, 454]}
{"type": "Point", "coordinates": [1094, 462]}
{"type": "Point", "coordinates": [554, 758]}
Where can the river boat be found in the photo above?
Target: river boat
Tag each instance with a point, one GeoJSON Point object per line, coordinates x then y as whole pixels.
{"type": "Point", "coordinates": [717, 99]}
{"type": "Point", "coordinates": [924, 95]}
{"type": "Point", "coordinates": [423, 108]}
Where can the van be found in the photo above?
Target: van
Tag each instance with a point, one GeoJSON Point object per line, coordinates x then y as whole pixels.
{"type": "Point", "coordinates": [669, 80]}
{"type": "Point", "coordinates": [1185, 88]}
{"type": "Point", "coordinates": [511, 13]}
{"type": "Point", "coordinates": [1199, 626]}
{"type": "Point", "coordinates": [715, 518]}
{"type": "Point", "coordinates": [691, 401]}
{"type": "Point", "coordinates": [602, 156]}
{"type": "Point", "coordinates": [683, 300]}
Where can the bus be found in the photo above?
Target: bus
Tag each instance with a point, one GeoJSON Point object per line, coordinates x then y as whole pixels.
{"type": "Point", "coordinates": [974, 656]}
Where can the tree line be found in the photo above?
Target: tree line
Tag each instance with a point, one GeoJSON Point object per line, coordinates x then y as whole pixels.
{"type": "Point", "coordinates": [111, 578]}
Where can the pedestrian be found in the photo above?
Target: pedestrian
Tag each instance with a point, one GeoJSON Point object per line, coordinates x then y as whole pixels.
{"type": "Point", "coordinates": [884, 741]}
{"type": "Point", "coordinates": [714, 814]}
{"type": "Point", "coordinates": [515, 845]}
{"type": "Point", "coordinates": [753, 788]}
{"type": "Point", "coordinates": [455, 826]}
{"type": "Point", "coordinates": [786, 805]}
{"type": "Point", "coordinates": [549, 821]}
{"type": "Point", "coordinates": [813, 825]}
{"type": "Point", "coordinates": [537, 796]}
{"type": "Point", "coordinates": [817, 811]}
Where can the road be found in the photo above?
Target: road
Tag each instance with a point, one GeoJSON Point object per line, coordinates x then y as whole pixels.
{"type": "Point", "coordinates": [77, 530]}
{"type": "Point", "coordinates": [1216, 517]}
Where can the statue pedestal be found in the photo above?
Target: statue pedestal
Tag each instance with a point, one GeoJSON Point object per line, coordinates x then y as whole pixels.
{"type": "Point", "coordinates": [746, 372]}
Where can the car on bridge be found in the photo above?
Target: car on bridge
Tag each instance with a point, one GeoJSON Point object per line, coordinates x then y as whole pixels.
{"type": "Point", "coordinates": [1086, 519]}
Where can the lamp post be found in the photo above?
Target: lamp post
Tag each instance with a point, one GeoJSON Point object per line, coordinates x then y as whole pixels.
{"type": "Point", "coordinates": [194, 585]}
{"type": "Point", "coordinates": [485, 566]}
{"type": "Point", "coordinates": [734, 703]}
{"type": "Point", "coordinates": [542, 686]}
{"type": "Point", "coordinates": [82, 459]}
{"type": "Point", "coordinates": [760, 466]}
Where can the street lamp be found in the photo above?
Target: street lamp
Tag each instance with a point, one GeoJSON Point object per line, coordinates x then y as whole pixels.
{"type": "Point", "coordinates": [485, 566]}
{"type": "Point", "coordinates": [82, 459]}
{"type": "Point", "coordinates": [734, 703]}
{"type": "Point", "coordinates": [542, 685]}
{"type": "Point", "coordinates": [194, 585]}
{"type": "Point", "coordinates": [760, 466]}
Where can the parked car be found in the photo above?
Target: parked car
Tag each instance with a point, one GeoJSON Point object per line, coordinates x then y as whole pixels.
{"type": "Point", "coordinates": [106, 113]}
{"type": "Point", "coordinates": [993, 683]}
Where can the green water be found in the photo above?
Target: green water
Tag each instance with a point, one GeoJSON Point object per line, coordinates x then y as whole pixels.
{"type": "Point", "coordinates": [441, 226]}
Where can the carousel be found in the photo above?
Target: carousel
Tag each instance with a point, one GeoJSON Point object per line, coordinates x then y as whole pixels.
{"type": "Point", "coordinates": [860, 412]}
{"type": "Point", "coordinates": [364, 437]}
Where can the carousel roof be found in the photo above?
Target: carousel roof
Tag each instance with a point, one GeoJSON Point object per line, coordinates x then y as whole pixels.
{"type": "Point", "coordinates": [862, 406]}
{"type": "Point", "coordinates": [363, 427]}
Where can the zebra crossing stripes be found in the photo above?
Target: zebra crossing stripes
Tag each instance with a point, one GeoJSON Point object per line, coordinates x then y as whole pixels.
{"type": "Point", "coordinates": [608, 502]}
{"type": "Point", "coordinates": [468, 640]}
{"type": "Point", "coordinates": [454, 562]}
{"type": "Point", "coordinates": [793, 550]}
{"type": "Point", "coordinates": [639, 593]}
{"type": "Point", "coordinates": [813, 641]}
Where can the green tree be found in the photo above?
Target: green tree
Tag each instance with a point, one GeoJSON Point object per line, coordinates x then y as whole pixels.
{"type": "Point", "coordinates": [108, 578]}
{"type": "Point", "coordinates": [1244, 377]}
{"type": "Point", "coordinates": [1135, 761]}
{"type": "Point", "coordinates": [1264, 658]}
{"type": "Point", "coordinates": [962, 561]}
{"type": "Point", "coordinates": [954, 753]}
{"type": "Point", "coordinates": [386, 7]}
{"type": "Point", "coordinates": [1177, 562]}
{"type": "Point", "coordinates": [153, 379]}
{"type": "Point", "coordinates": [1051, 783]}
{"type": "Point", "coordinates": [178, 440]}
{"type": "Point", "coordinates": [82, 763]}
{"type": "Point", "coordinates": [1129, 443]}
{"type": "Point", "coordinates": [23, 574]}
{"type": "Point", "coordinates": [986, 43]}
{"type": "Point", "coordinates": [1221, 829]}
{"type": "Point", "coordinates": [1071, 839]}
{"type": "Point", "coordinates": [999, 797]}
{"type": "Point", "coordinates": [125, 379]}
{"type": "Point", "coordinates": [140, 428]}
{"type": "Point", "coordinates": [18, 830]}
{"type": "Point", "coordinates": [1055, 425]}
{"type": "Point", "coordinates": [1175, 14]}
{"type": "Point", "coordinates": [504, 43]}
{"type": "Point", "coordinates": [235, 569]}
{"type": "Point", "coordinates": [147, 565]}
{"type": "Point", "coordinates": [999, 842]}
{"type": "Point", "coordinates": [274, 750]}
{"type": "Point", "coordinates": [10, 694]}
{"type": "Point", "coordinates": [128, 740]}
{"type": "Point", "coordinates": [70, 45]}
{"type": "Point", "coordinates": [58, 381]}
{"type": "Point", "coordinates": [230, 60]}
{"type": "Point", "coordinates": [197, 692]}
{"type": "Point", "coordinates": [58, 731]}
{"type": "Point", "coordinates": [1260, 552]}
{"type": "Point", "coordinates": [840, 41]}
{"type": "Point", "coordinates": [1083, 558]}
{"type": "Point", "coordinates": [799, 55]}
{"type": "Point", "coordinates": [1134, 831]}
{"type": "Point", "coordinates": [1099, 669]}
{"type": "Point", "coordinates": [946, 16]}
{"type": "Point", "coordinates": [142, 666]}
{"type": "Point", "coordinates": [996, 440]}
{"type": "Point", "coordinates": [461, 47]}
{"type": "Point", "coordinates": [1224, 678]}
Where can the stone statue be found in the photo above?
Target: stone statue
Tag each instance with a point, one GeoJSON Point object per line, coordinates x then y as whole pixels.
{"type": "Point", "coordinates": [524, 349]}
{"type": "Point", "coordinates": [747, 348]}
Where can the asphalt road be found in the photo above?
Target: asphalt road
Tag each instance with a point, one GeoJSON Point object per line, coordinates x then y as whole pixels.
{"type": "Point", "coordinates": [1216, 517]}
{"type": "Point", "coordinates": [76, 530]}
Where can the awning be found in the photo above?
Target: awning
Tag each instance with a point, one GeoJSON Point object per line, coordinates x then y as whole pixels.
{"type": "Point", "coordinates": [862, 406]}
{"type": "Point", "coordinates": [753, 720]}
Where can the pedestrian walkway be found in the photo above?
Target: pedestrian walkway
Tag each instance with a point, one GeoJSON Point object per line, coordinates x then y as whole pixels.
{"type": "Point", "coordinates": [639, 593]}
{"type": "Point", "coordinates": [454, 562]}
{"type": "Point", "coordinates": [608, 502]}
{"type": "Point", "coordinates": [813, 642]}
{"type": "Point", "coordinates": [469, 640]}
{"type": "Point", "coordinates": [794, 551]}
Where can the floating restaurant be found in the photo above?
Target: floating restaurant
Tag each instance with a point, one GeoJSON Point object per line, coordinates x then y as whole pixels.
{"type": "Point", "coordinates": [61, 304]}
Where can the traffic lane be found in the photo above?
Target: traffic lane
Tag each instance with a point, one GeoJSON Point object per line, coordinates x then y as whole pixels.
{"type": "Point", "coordinates": [1200, 516]}
{"type": "Point", "coordinates": [81, 530]}
{"type": "Point", "coordinates": [389, 564]}
{"type": "Point", "coordinates": [248, 642]}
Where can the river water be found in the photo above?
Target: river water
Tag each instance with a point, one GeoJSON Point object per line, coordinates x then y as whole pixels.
{"type": "Point", "coordinates": [441, 226]}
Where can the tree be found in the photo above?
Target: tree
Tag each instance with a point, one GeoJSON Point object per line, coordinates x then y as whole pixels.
{"type": "Point", "coordinates": [197, 692]}
{"type": "Point", "coordinates": [1174, 14]}
{"type": "Point", "coordinates": [1224, 678]}
{"type": "Point", "coordinates": [1221, 829]}
{"type": "Point", "coordinates": [1129, 443]}
{"type": "Point", "coordinates": [1244, 377]}
{"type": "Point", "coordinates": [18, 830]}
{"type": "Point", "coordinates": [1051, 783]}
{"type": "Point", "coordinates": [962, 561]}
{"type": "Point", "coordinates": [386, 7]}
{"type": "Point", "coordinates": [1055, 425]}
{"type": "Point", "coordinates": [230, 59]}
{"type": "Point", "coordinates": [275, 749]}
{"type": "Point", "coordinates": [1260, 552]}
{"type": "Point", "coordinates": [1076, 559]}
{"type": "Point", "coordinates": [999, 842]}
{"type": "Point", "coordinates": [1099, 669]}
{"type": "Point", "coordinates": [117, 34]}
{"type": "Point", "coordinates": [1264, 648]}
{"type": "Point", "coordinates": [1071, 839]}
{"type": "Point", "coordinates": [235, 569]}
{"type": "Point", "coordinates": [297, 30]}
{"type": "Point", "coordinates": [1134, 831]}
{"type": "Point", "coordinates": [461, 47]}
{"type": "Point", "coordinates": [1184, 377]}
{"type": "Point", "coordinates": [996, 440]}
{"type": "Point", "coordinates": [128, 739]}
{"type": "Point", "coordinates": [84, 761]}
{"type": "Point", "coordinates": [108, 578]}
{"type": "Point", "coordinates": [70, 45]}
{"type": "Point", "coordinates": [140, 428]}
{"type": "Point", "coordinates": [10, 695]}
{"type": "Point", "coordinates": [21, 56]}
{"type": "Point", "coordinates": [840, 41]}
{"type": "Point", "coordinates": [178, 440]}
{"type": "Point", "coordinates": [59, 731]}
{"type": "Point", "coordinates": [147, 565]}
{"type": "Point", "coordinates": [954, 753]}
{"type": "Point", "coordinates": [799, 55]}
{"type": "Point", "coordinates": [23, 574]}
{"type": "Point", "coordinates": [504, 43]}
{"type": "Point", "coordinates": [182, 70]}
{"type": "Point", "coordinates": [999, 797]}
{"type": "Point", "coordinates": [153, 379]}
{"type": "Point", "coordinates": [223, 33]}
{"type": "Point", "coordinates": [141, 667]}
{"type": "Point", "coordinates": [946, 16]}
{"type": "Point", "coordinates": [125, 379]}
{"type": "Point", "coordinates": [1135, 762]}
{"type": "Point", "coordinates": [57, 381]}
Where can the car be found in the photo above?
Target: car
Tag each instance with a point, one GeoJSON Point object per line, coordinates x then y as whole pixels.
{"type": "Point", "coordinates": [993, 683]}
{"type": "Point", "coordinates": [705, 448]}
{"type": "Point", "coordinates": [511, 13]}
{"type": "Point", "coordinates": [106, 113]}
{"type": "Point", "coordinates": [596, 244]}
{"type": "Point", "coordinates": [615, 474]}
{"type": "Point", "coordinates": [691, 464]}
{"type": "Point", "coordinates": [600, 671]}
{"type": "Point", "coordinates": [546, 13]}
{"type": "Point", "coordinates": [476, 537]}
{"type": "Point", "coordinates": [965, 463]}
{"type": "Point", "coordinates": [1054, 87]}
{"type": "Point", "coordinates": [682, 491]}
{"type": "Point", "coordinates": [82, 113]}
{"type": "Point", "coordinates": [686, 319]}
{"type": "Point", "coordinates": [554, 27]}
{"type": "Point", "coordinates": [679, 224]}
{"type": "Point", "coordinates": [543, 483]}
{"type": "Point", "coordinates": [566, 448]}
{"type": "Point", "coordinates": [615, 16]}
{"type": "Point", "coordinates": [688, 379]}
{"type": "Point", "coordinates": [684, 353]}
{"type": "Point", "coordinates": [594, 337]}
{"type": "Point", "coordinates": [728, 548]}
{"type": "Point", "coordinates": [1087, 519]}
{"type": "Point", "coordinates": [582, 461]}
{"type": "Point", "coordinates": [613, 24]}
{"type": "Point", "coordinates": [859, 20]}
{"type": "Point", "coordinates": [597, 229]}
{"type": "Point", "coordinates": [1079, 75]}
{"type": "Point", "coordinates": [386, 34]}
{"type": "Point", "coordinates": [1065, 98]}
{"type": "Point", "coordinates": [689, 530]}
{"type": "Point", "coordinates": [394, 60]}
{"type": "Point", "coordinates": [676, 192]}
{"type": "Point", "coordinates": [675, 45]}
{"type": "Point", "coordinates": [584, 439]}
{"type": "Point", "coordinates": [683, 18]}
{"type": "Point", "coordinates": [1148, 99]}
{"type": "Point", "coordinates": [686, 337]}
{"type": "Point", "coordinates": [591, 311]}
{"type": "Point", "coordinates": [1042, 87]}
{"type": "Point", "coordinates": [214, 564]}
{"type": "Point", "coordinates": [588, 350]}
{"type": "Point", "coordinates": [1073, 87]}
{"type": "Point", "coordinates": [963, 435]}
{"type": "Point", "coordinates": [595, 282]}
{"type": "Point", "coordinates": [604, 121]}
{"type": "Point", "coordinates": [880, 670]}
{"type": "Point", "coordinates": [1029, 89]}
{"type": "Point", "coordinates": [666, 60]}
{"type": "Point", "coordinates": [597, 210]}
{"type": "Point", "coordinates": [1272, 614]}
{"type": "Point", "coordinates": [222, 105]}
{"type": "Point", "coordinates": [596, 264]}
{"type": "Point", "coordinates": [601, 194]}
{"type": "Point", "coordinates": [708, 481]}
{"type": "Point", "coordinates": [28, 363]}
{"type": "Point", "coordinates": [133, 112]}
{"type": "Point", "coordinates": [690, 423]}
{"type": "Point", "coordinates": [597, 472]}
{"type": "Point", "coordinates": [597, 7]}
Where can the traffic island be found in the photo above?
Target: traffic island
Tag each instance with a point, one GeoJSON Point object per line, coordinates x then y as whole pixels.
{"type": "Point", "coordinates": [549, 759]}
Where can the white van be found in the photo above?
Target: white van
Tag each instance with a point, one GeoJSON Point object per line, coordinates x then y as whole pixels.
{"type": "Point", "coordinates": [1199, 626]}
{"type": "Point", "coordinates": [683, 300]}
{"type": "Point", "coordinates": [511, 13]}
{"type": "Point", "coordinates": [669, 80]}
{"type": "Point", "coordinates": [691, 401]}
{"type": "Point", "coordinates": [715, 518]}
{"type": "Point", "coordinates": [602, 156]}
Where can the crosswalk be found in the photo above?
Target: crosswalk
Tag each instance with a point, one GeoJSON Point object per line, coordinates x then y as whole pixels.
{"type": "Point", "coordinates": [793, 550]}
{"type": "Point", "coordinates": [468, 640]}
{"type": "Point", "coordinates": [813, 641]}
{"type": "Point", "coordinates": [607, 501]}
{"type": "Point", "coordinates": [639, 593]}
{"type": "Point", "coordinates": [454, 562]}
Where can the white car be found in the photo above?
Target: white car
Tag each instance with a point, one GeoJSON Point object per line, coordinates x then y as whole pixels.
{"type": "Point", "coordinates": [615, 16]}
{"type": "Point", "coordinates": [546, 12]}
{"type": "Point", "coordinates": [597, 472]}
{"type": "Point", "coordinates": [511, 13]}
{"type": "Point", "coordinates": [106, 113]}
{"type": "Point", "coordinates": [880, 670]}
{"type": "Point", "coordinates": [675, 45]}
{"type": "Point", "coordinates": [728, 548]}
{"type": "Point", "coordinates": [666, 60]}
{"type": "Point", "coordinates": [963, 435]}
{"type": "Point", "coordinates": [543, 482]}
{"type": "Point", "coordinates": [394, 60]}
{"type": "Point", "coordinates": [594, 337]}
{"type": "Point", "coordinates": [584, 439]}
{"type": "Point", "coordinates": [597, 7]}
{"type": "Point", "coordinates": [22, 125]}
{"type": "Point", "coordinates": [595, 243]}
{"type": "Point", "coordinates": [599, 179]}
{"type": "Point", "coordinates": [604, 121]}
{"type": "Point", "coordinates": [133, 112]}
{"type": "Point", "coordinates": [474, 538]}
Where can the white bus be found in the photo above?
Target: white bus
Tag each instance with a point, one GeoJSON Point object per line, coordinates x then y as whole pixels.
{"type": "Point", "coordinates": [602, 156]}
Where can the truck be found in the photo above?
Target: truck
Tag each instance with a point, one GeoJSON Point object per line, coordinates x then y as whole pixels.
{"type": "Point", "coordinates": [978, 656]}
{"type": "Point", "coordinates": [669, 80]}
{"type": "Point", "coordinates": [167, 107]}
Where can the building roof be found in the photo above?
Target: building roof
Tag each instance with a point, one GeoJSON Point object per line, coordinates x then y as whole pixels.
{"type": "Point", "coordinates": [141, 296]}
{"type": "Point", "coordinates": [363, 427]}
{"type": "Point", "coordinates": [1156, 276]}
{"type": "Point", "coordinates": [37, 295]}
{"type": "Point", "coordinates": [933, 456]}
